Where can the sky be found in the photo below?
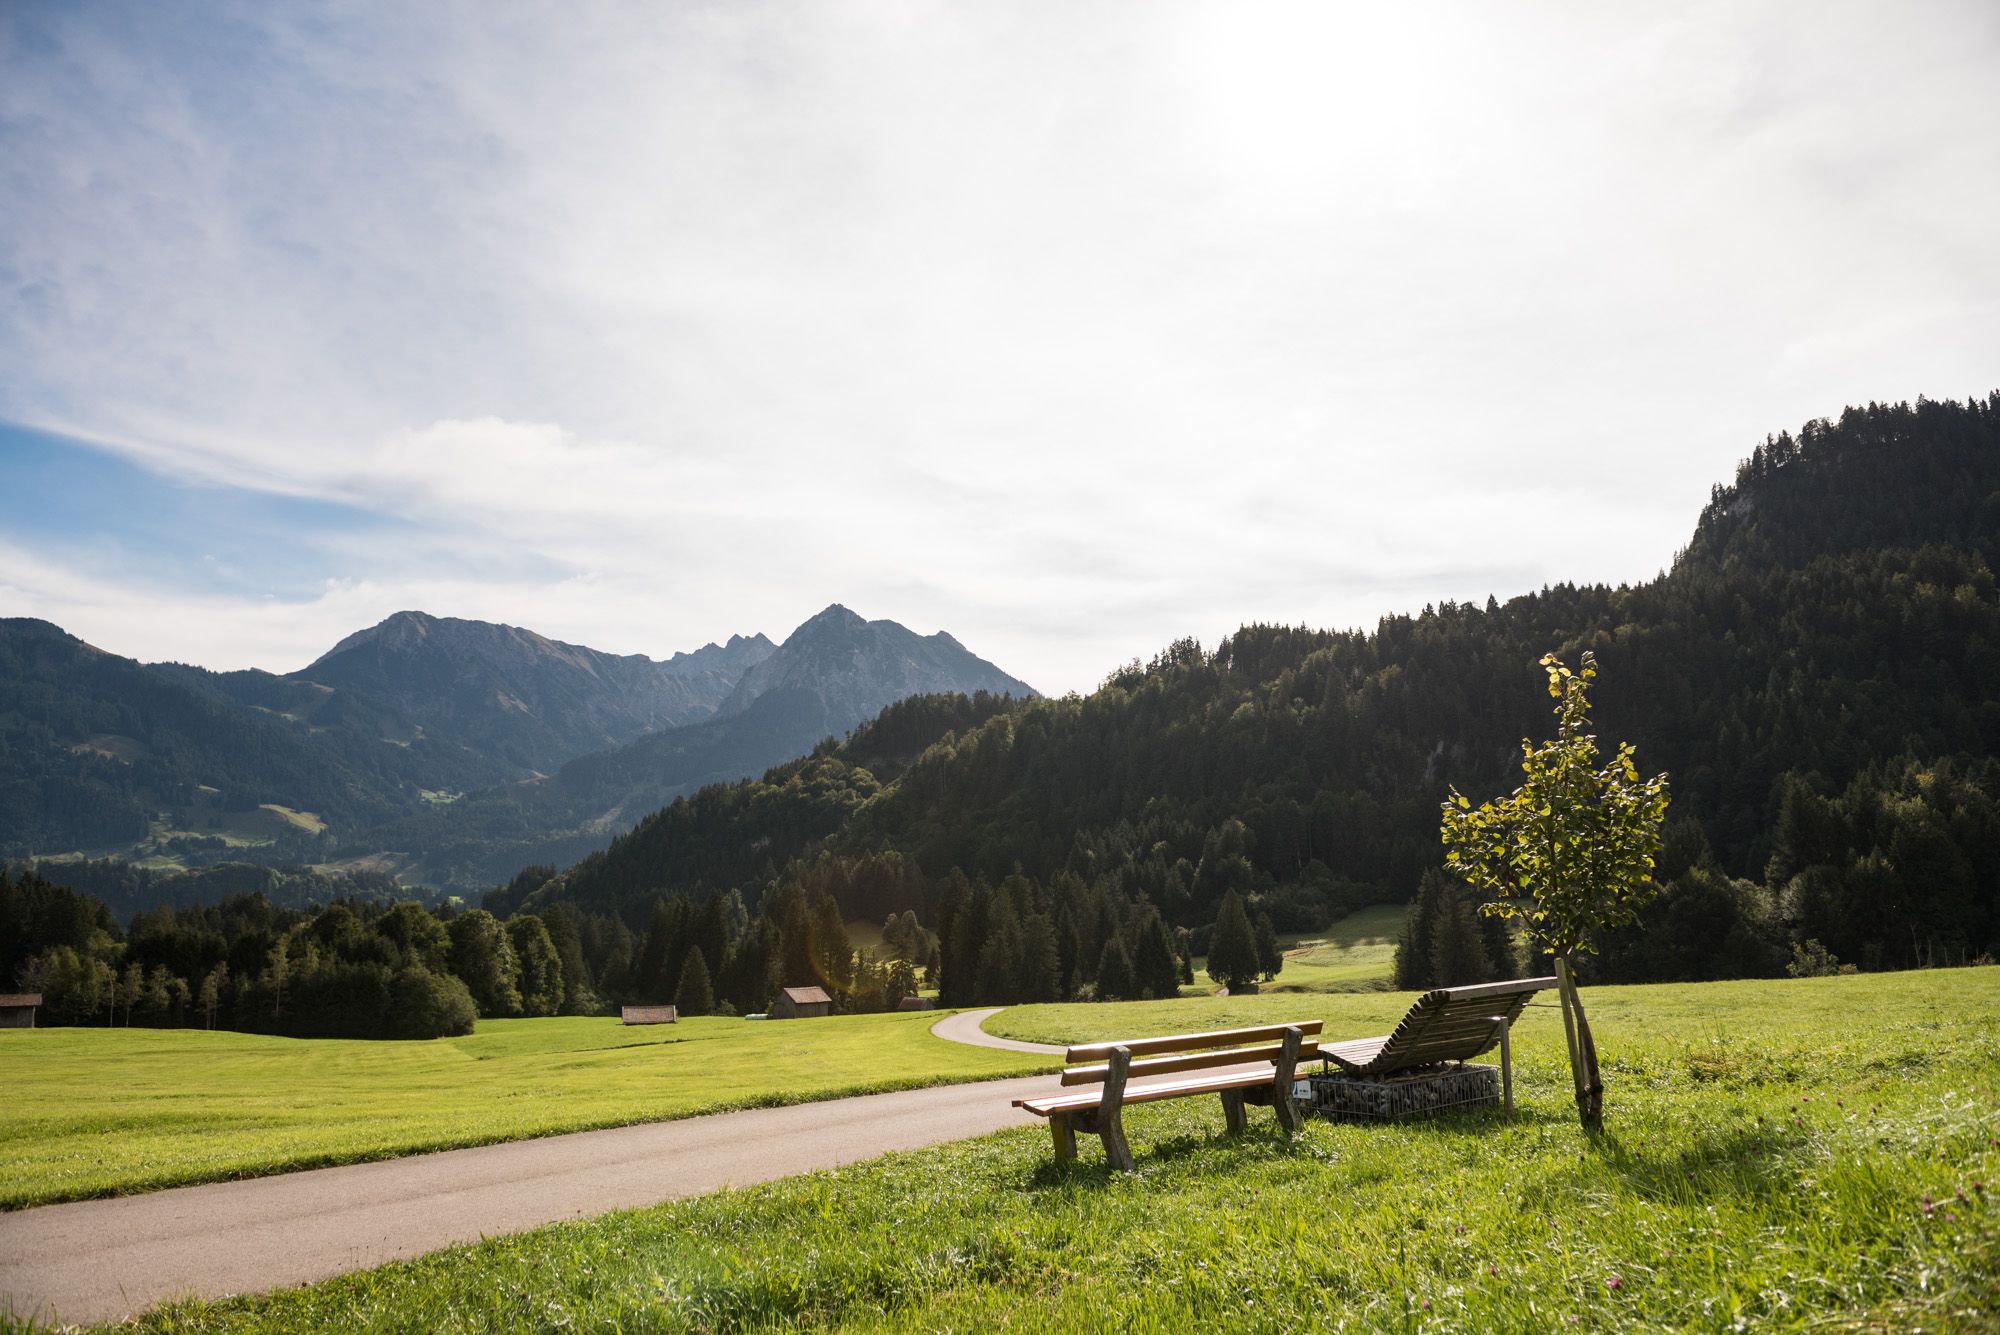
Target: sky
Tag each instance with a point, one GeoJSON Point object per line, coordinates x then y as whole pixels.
{"type": "Point", "coordinates": [1068, 328]}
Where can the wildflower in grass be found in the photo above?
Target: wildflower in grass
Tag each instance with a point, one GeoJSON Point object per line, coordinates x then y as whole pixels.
{"type": "Point", "coordinates": [1615, 1282]}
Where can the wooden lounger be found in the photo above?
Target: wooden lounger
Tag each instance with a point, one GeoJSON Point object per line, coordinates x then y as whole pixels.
{"type": "Point", "coordinates": [1451, 1024]}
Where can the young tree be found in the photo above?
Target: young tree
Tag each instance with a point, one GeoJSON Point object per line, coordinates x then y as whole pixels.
{"type": "Point", "coordinates": [1155, 968]}
{"type": "Point", "coordinates": [1232, 949]}
{"type": "Point", "coordinates": [279, 963]}
{"type": "Point", "coordinates": [1270, 958]}
{"type": "Point", "coordinates": [131, 986]}
{"type": "Point", "coordinates": [695, 995]}
{"type": "Point", "coordinates": [1458, 950]}
{"type": "Point", "coordinates": [484, 961]}
{"type": "Point", "coordinates": [1114, 971]}
{"type": "Point", "coordinates": [1576, 839]}
{"type": "Point", "coordinates": [211, 993]}
{"type": "Point", "coordinates": [1413, 947]}
{"type": "Point", "coordinates": [541, 968]}
{"type": "Point", "coordinates": [900, 982]}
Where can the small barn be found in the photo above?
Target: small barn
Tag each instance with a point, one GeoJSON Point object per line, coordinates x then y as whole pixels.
{"type": "Point", "coordinates": [17, 1009]}
{"type": "Point", "coordinates": [916, 1004]}
{"type": "Point", "coordinates": [648, 1014]}
{"type": "Point", "coordinates": [800, 1003]}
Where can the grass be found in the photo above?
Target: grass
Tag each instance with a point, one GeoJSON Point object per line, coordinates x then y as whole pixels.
{"type": "Point", "coordinates": [1780, 1156]}
{"type": "Point", "coordinates": [1356, 954]}
{"type": "Point", "coordinates": [95, 1112]}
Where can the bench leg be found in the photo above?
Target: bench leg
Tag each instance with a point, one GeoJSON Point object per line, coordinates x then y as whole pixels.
{"type": "Point", "coordinates": [1065, 1135]}
{"type": "Point", "coordinates": [1507, 1066]}
{"type": "Point", "coordinates": [1111, 1128]}
{"type": "Point", "coordinates": [1281, 1083]}
{"type": "Point", "coordinates": [1111, 1112]}
{"type": "Point", "coordinates": [1232, 1112]}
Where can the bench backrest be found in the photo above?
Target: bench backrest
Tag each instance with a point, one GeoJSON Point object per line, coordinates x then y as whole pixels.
{"type": "Point", "coordinates": [1224, 1047]}
{"type": "Point", "coordinates": [1455, 1023]}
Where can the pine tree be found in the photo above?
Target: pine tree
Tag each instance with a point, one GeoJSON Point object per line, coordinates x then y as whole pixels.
{"type": "Point", "coordinates": [695, 996]}
{"type": "Point", "coordinates": [1155, 969]}
{"type": "Point", "coordinates": [1232, 949]}
{"type": "Point", "coordinates": [1413, 948]}
{"type": "Point", "coordinates": [1458, 950]}
{"type": "Point", "coordinates": [1270, 959]}
{"type": "Point", "coordinates": [1500, 948]}
{"type": "Point", "coordinates": [1038, 975]}
{"type": "Point", "coordinates": [1114, 971]}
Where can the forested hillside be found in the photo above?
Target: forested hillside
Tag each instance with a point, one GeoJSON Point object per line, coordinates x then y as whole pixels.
{"type": "Point", "coordinates": [1819, 672]}
{"type": "Point", "coordinates": [832, 674]}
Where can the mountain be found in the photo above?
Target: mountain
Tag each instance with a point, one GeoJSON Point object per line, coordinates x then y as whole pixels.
{"type": "Point", "coordinates": [833, 673]}
{"type": "Point", "coordinates": [99, 752]}
{"type": "Point", "coordinates": [850, 668]}
{"type": "Point", "coordinates": [522, 699]}
{"type": "Point", "coordinates": [1818, 672]}
{"type": "Point", "coordinates": [450, 751]}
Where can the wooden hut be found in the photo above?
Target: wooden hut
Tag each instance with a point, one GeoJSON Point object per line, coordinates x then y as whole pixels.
{"type": "Point", "coordinates": [801, 1003]}
{"type": "Point", "coordinates": [916, 1004]}
{"type": "Point", "coordinates": [17, 1009]}
{"type": "Point", "coordinates": [648, 1014]}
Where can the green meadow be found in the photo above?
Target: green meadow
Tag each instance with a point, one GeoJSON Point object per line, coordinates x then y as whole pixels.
{"type": "Point", "coordinates": [1783, 1155]}
{"type": "Point", "coordinates": [95, 1112]}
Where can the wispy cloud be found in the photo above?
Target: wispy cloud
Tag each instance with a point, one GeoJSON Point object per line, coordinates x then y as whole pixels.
{"type": "Point", "coordinates": [1069, 329]}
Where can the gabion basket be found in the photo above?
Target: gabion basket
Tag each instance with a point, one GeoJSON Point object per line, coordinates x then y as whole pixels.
{"type": "Point", "coordinates": [1401, 1097]}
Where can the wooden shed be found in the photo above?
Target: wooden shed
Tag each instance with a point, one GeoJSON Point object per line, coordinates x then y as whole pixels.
{"type": "Point", "coordinates": [800, 1003]}
{"type": "Point", "coordinates": [648, 1015]}
{"type": "Point", "coordinates": [916, 1004]}
{"type": "Point", "coordinates": [17, 1009]}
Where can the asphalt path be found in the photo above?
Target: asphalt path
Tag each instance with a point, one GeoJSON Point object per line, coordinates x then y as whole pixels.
{"type": "Point", "coordinates": [965, 1027]}
{"type": "Point", "coordinates": [105, 1260]}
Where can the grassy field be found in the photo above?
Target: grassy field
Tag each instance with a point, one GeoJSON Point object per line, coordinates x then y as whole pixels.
{"type": "Point", "coordinates": [1356, 954]}
{"type": "Point", "coordinates": [1779, 1156]}
{"type": "Point", "coordinates": [92, 1112]}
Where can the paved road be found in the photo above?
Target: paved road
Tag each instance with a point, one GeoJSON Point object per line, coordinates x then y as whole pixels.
{"type": "Point", "coordinates": [964, 1027]}
{"type": "Point", "coordinates": [104, 1260]}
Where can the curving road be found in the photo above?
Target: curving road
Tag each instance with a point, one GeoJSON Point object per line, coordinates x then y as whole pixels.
{"type": "Point", "coordinates": [90, 1261]}
{"type": "Point", "coordinates": [965, 1027]}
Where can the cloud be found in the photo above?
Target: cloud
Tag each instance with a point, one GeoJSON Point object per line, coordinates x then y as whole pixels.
{"type": "Point", "coordinates": [1067, 330]}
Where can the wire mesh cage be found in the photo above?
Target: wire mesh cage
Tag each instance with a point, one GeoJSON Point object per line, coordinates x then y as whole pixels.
{"type": "Point", "coordinates": [1404, 1096]}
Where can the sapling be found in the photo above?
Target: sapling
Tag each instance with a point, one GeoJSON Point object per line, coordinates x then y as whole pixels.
{"type": "Point", "coordinates": [1570, 851]}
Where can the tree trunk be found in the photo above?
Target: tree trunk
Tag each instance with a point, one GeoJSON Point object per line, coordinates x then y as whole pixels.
{"type": "Point", "coordinates": [1582, 1051]}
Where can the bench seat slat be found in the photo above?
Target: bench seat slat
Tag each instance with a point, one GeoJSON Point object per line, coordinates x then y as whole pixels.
{"type": "Point", "coordinates": [1213, 1084]}
{"type": "Point", "coordinates": [1197, 1061]}
{"type": "Point", "coordinates": [1224, 1038]}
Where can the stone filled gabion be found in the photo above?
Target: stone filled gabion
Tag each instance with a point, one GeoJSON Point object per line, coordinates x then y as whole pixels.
{"type": "Point", "coordinates": [1403, 1096]}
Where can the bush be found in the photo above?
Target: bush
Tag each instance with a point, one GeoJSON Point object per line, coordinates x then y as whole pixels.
{"type": "Point", "coordinates": [423, 1004]}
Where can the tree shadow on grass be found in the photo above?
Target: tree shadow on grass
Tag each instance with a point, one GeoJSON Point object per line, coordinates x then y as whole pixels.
{"type": "Point", "coordinates": [1754, 1160]}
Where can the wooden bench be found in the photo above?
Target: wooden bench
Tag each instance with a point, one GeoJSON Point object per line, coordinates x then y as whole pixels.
{"type": "Point", "coordinates": [1111, 1066]}
{"type": "Point", "coordinates": [1450, 1024]}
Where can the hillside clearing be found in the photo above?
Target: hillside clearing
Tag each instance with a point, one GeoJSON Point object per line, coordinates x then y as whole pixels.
{"type": "Point", "coordinates": [1780, 1155]}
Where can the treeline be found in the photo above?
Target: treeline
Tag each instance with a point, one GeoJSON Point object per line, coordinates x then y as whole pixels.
{"type": "Point", "coordinates": [374, 968]}
{"type": "Point", "coordinates": [1835, 616]}
{"type": "Point", "coordinates": [1072, 940]}
{"type": "Point", "coordinates": [127, 889]}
